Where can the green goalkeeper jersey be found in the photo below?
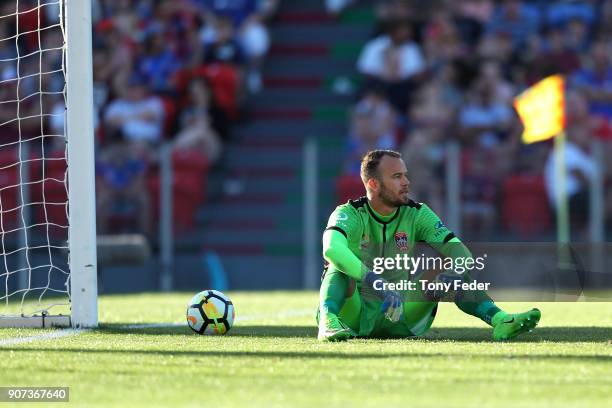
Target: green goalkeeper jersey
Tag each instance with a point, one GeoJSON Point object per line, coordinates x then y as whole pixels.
{"type": "Point", "coordinates": [370, 234]}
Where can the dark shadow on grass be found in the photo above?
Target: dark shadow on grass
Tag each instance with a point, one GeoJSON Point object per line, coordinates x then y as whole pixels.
{"type": "Point", "coordinates": [459, 334]}
{"type": "Point", "coordinates": [594, 334]}
{"type": "Point", "coordinates": [194, 354]}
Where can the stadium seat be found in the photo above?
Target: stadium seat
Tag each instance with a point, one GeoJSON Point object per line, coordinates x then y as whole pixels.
{"type": "Point", "coordinates": [54, 190]}
{"type": "Point", "coordinates": [224, 81]}
{"type": "Point", "coordinates": [349, 187]}
{"type": "Point", "coordinates": [190, 170]}
{"type": "Point", "coordinates": [170, 115]}
{"type": "Point", "coordinates": [525, 205]}
{"type": "Point", "coordinates": [9, 189]}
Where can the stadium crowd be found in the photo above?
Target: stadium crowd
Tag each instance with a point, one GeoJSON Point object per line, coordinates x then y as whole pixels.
{"type": "Point", "coordinates": [442, 70]}
{"type": "Point", "coordinates": [169, 70]}
{"type": "Point", "coordinates": [165, 71]}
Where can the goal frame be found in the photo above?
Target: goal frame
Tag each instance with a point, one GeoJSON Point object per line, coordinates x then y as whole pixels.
{"type": "Point", "coordinates": [79, 133]}
{"type": "Point", "coordinates": [81, 165]}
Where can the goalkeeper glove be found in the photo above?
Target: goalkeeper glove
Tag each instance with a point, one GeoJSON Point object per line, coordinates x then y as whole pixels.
{"type": "Point", "coordinates": [392, 305]}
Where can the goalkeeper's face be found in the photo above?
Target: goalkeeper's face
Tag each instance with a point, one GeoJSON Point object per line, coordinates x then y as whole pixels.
{"type": "Point", "coordinates": [393, 183]}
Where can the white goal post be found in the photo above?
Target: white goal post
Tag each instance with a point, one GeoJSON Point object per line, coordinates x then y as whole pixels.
{"type": "Point", "coordinates": [48, 268]}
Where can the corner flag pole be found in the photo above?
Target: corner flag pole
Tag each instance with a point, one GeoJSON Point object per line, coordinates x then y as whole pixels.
{"type": "Point", "coordinates": [564, 255]}
{"type": "Point", "coordinates": [563, 226]}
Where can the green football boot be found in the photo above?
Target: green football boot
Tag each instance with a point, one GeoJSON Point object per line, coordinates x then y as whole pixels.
{"type": "Point", "coordinates": [511, 325]}
{"type": "Point", "coordinates": [332, 329]}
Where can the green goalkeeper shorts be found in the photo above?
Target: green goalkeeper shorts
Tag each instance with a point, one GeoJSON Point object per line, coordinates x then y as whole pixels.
{"type": "Point", "coordinates": [366, 318]}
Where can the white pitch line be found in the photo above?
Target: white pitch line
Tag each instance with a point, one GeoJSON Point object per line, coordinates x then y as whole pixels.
{"type": "Point", "coordinates": [45, 336]}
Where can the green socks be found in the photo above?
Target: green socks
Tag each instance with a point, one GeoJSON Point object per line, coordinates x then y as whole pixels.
{"type": "Point", "coordinates": [487, 311]}
{"type": "Point", "coordinates": [333, 291]}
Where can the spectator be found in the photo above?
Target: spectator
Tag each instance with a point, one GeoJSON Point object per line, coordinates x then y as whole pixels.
{"type": "Point", "coordinates": [437, 101]}
{"type": "Point", "coordinates": [247, 18]}
{"type": "Point", "coordinates": [221, 44]}
{"type": "Point", "coordinates": [137, 114]}
{"type": "Point", "coordinates": [515, 19]}
{"type": "Point", "coordinates": [442, 40]}
{"type": "Point", "coordinates": [197, 129]}
{"type": "Point", "coordinates": [395, 61]}
{"type": "Point", "coordinates": [237, 11]}
{"type": "Point", "coordinates": [478, 192]}
{"type": "Point", "coordinates": [595, 79]}
{"type": "Point", "coordinates": [484, 121]}
{"type": "Point", "coordinates": [431, 117]}
{"type": "Point", "coordinates": [423, 153]}
{"type": "Point", "coordinates": [157, 63]}
{"type": "Point", "coordinates": [121, 185]}
{"type": "Point", "coordinates": [115, 55]}
{"type": "Point", "coordinates": [577, 36]}
{"type": "Point", "coordinates": [372, 127]}
{"type": "Point", "coordinates": [490, 76]}
{"type": "Point", "coordinates": [562, 12]}
{"type": "Point", "coordinates": [392, 57]}
{"type": "Point", "coordinates": [256, 42]}
{"type": "Point", "coordinates": [556, 58]}
{"type": "Point", "coordinates": [392, 10]}
{"type": "Point", "coordinates": [497, 46]}
{"type": "Point", "coordinates": [580, 168]}
{"type": "Point", "coordinates": [472, 17]}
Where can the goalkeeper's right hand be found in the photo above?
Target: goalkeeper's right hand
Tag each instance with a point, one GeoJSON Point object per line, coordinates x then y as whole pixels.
{"type": "Point", "coordinates": [392, 305]}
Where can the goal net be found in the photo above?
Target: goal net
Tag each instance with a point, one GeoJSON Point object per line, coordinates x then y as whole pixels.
{"type": "Point", "coordinates": [47, 218]}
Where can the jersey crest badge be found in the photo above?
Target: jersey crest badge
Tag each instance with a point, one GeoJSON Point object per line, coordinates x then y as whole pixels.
{"type": "Point", "coordinates": [401, 240]}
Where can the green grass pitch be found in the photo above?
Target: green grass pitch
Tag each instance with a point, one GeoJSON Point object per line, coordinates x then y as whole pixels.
{"type": "Point", "coordinates": [271, 358]}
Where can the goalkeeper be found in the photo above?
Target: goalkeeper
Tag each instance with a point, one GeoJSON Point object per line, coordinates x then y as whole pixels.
{"type": "Point", "coordinates": [355, 301]}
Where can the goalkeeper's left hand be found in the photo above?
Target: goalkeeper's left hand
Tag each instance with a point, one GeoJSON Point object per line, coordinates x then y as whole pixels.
{"type": "Point", "coordinates": [392, 305]}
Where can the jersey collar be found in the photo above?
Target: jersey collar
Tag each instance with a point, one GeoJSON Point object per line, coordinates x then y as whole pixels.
{"type": "Point", "coordinates": [378, 219]}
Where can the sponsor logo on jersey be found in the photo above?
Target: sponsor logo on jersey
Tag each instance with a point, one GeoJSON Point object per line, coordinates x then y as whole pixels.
{"type": "Point", "coordinates": [341, 217]}
{"type": "Point", "coordinates": [440, 228]}
{"type": "Point", "coordinates": [401, 240]}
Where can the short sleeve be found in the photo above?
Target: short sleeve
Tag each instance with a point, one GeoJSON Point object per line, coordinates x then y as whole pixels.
{"type": "Point", "coordinates": [429, 228]}
{"type": "Point", "coordinates": [345, 220]}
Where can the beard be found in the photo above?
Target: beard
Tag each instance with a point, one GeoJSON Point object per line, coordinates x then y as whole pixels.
{"type": "Point", "coordinates": [386, 197]}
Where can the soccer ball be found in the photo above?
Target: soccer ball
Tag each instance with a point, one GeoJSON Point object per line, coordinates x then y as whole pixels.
{"type": "Point", "coordinates": [210, 312]}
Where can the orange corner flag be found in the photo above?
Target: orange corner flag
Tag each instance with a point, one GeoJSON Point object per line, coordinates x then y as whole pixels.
{"type": "Point", "coordinates": [542, 109]}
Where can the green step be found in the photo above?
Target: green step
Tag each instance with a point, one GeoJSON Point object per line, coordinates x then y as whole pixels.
{"type": "Point", "coordinates": [346, 50]}
{"type": "Point", "coordinates": [330, 113]}
{"type": "Point", "coordinates": [364, 16]}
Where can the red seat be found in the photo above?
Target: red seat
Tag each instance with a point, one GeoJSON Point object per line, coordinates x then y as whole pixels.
{"type": "Point", "coordinates": [53, 201]}
{"type": "Point", "coordinates": [170, 115]}
{"type": "Point", "coordinates": [224, 81]}
{"type": "Point", "coordinates": [55, 196]}
{"type": "Point", "coordinates": [9, 189]}
{"type": "Point", "coordinates": [190, 170]}
{"type": "Point", "coordinates": [525, 206]}
{"type": "Point", "coordinates": [349, 187]}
